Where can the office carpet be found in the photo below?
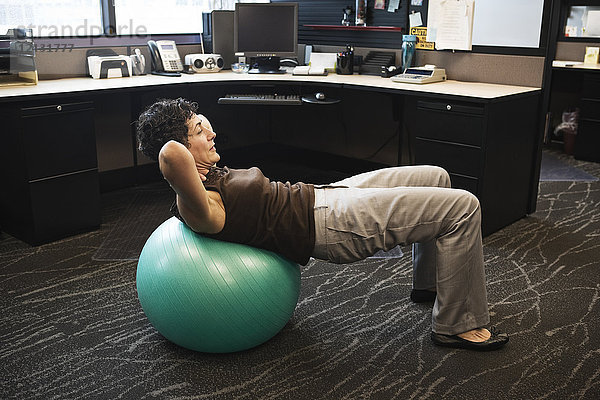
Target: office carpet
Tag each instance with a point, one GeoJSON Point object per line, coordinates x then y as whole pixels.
{"type": "Point", "coordinates": [556, 167]}
{"type": "Point", "coordinates": [71, 326]}
{"type": "Point", "coordinates": [147, 207]}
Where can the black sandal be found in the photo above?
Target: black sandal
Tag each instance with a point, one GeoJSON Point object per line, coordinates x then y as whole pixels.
{"type": "Point", "coordinates": [495, 341]}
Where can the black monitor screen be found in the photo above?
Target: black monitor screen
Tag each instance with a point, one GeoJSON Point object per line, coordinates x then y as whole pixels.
{"type": "Point", "coordinates": [266, 29]}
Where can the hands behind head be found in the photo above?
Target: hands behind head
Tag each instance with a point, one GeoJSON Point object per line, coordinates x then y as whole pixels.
{"type": "Point", "coordinates": [173, 154]}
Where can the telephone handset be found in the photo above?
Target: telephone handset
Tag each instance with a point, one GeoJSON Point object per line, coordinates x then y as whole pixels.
{"type": "Point", "coordinates": [165, 58]}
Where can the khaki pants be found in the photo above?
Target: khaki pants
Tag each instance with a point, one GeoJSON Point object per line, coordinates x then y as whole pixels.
{"type": "Point", "coordinates": [415, 205]}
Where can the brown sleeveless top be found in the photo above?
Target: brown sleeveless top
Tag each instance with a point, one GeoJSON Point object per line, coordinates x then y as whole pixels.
{"type": "Point", "coordinates": [258, 212]}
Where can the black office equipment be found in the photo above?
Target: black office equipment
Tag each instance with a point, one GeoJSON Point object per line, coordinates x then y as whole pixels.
{"type": "Point", "coordinates": [587, 144]}
{"type": "Point", "coordinates": [345, 62]}
{"type": "Point", "coordinates": [165, 58]}
{"type": "Point", "coordinates": [463, 131]}
{"type": "Point", "coordinates": [217, 35]}
{"type": "Point", "coordinates": [266, 32]}
{"type": "Point", "coordinates": [54, 189]}
{"type": "Point", "coordinates": [319, 98]}
{"type": "Point", "coordinates": [261, 99]}
{"type": "Point", "coordinates": [374, 60]}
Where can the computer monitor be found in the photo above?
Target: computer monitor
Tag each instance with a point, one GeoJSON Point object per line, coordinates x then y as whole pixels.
{"type": "Point", "coordinates": [266, 32]}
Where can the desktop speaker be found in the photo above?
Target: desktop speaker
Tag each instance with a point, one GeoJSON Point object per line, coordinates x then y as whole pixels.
{"type": "Point", "coordinates": [204, 62]}
{"type": "Point", "coordinates": [222, 35]}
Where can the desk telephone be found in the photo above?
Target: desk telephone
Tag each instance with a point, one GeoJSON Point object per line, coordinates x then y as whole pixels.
{"type": "Point", "coordinates": [165, 58]}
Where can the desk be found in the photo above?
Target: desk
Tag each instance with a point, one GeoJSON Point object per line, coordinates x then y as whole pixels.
{"type": "Point", "coordinates": [475, 90]}
{"type": "Point", "coordinates": [485, 135]}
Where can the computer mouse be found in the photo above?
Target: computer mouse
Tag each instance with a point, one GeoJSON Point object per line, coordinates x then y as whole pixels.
{"type": "Point", "coordinates": [288, 62]}
{"type": "Point", "coordinates": [320, 96]}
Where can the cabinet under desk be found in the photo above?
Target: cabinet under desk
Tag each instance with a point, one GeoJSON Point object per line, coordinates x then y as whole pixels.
{"type": "Point", "coordinates": [466, 127]}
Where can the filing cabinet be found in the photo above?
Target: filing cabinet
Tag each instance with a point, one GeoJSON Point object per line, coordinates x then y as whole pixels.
{"type": "Point", "coordinates": [450, 135]}
{"type": "Point", "coordinates": [486, 148]}
{"type": "Point", "coordinates": [587, 144]}
{"type": "Point", "coordinates": [49, 170]}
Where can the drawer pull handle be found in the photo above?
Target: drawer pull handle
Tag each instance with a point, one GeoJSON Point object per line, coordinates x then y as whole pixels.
{"type": "Point", "coordinates": [448, 107]}
{"type": "Point", "coordinates": [59, 108]}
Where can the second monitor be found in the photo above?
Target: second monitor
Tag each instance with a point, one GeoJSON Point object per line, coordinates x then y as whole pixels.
{"type": "Point", "coordinates": [266, 32]}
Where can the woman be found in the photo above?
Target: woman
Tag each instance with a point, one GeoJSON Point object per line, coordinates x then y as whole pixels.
{"type": "Point", "coordinates": [344, 222]}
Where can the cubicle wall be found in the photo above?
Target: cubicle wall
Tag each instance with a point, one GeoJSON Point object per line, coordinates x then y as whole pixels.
{"type": "Point", "coordinates": [490, 68]}
{"type": "Point", "coordinates": [573, 51]}
{"type": "Point", "coordinates": [72, 62]}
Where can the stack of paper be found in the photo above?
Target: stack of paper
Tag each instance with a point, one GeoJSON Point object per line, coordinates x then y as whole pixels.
{"type": "Point", "coordinates": [450, 24]}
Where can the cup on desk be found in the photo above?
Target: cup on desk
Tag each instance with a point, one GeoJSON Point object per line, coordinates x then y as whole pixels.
{"type": "Point", "coordinates": [345, 63]}
{"type": "Point", "coordinates": [240, 67]}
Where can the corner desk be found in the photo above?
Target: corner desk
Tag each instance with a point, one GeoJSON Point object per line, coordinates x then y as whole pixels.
{"type": "Point", "coordinates": [62, 137]}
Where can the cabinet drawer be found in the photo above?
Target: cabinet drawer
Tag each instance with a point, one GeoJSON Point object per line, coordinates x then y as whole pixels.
{"type": "Point", "coordinates": [454, 107]}
{"type": "Point", "coordinates": [591, 86]}
{"type": "Point", "coordinates": [64, 206]}
{"type": "Point", "coordinates": [467, 183]}
{"type": "Point", "coordinates": [587, 141]}
{"type": "Point", "coordinates": [58, 139]}
{"type": "Point", "coordinates": [458, 159]}
{"type": "Point", "coordinates": [57, 108]}
{"type": "Point", "coordinates": [450, 122]}
{"type": "Point", "coordinates": [590, 109]}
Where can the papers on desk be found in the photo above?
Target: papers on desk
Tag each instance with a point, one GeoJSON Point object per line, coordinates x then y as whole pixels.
{"type": "Point", "coordinates": [319, 64]}
{"type": "Point", "coordinates": [558, 63]}
{"type": "Point", "coordinates": [323, 60]}
{"type": "Point", "coordinates": [450, 24]}
{"type": "Point", "coordinates": [309, 70]}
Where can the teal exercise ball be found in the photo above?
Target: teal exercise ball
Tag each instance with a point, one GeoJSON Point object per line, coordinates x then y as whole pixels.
{"type": "Point", "coordinates": [214, 296]}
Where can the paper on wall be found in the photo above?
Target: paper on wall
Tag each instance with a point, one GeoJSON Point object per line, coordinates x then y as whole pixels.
{"type": "Point", "coordinates": [415, 19]}
{"type": "Point", "coordinates": [393, 5]}
{"type": "Point", "coordinates": [433, 16]}
{"type": "Point", "coordinates": [592, 26]}
{"type": "Point", "coordinates": [450, 24]}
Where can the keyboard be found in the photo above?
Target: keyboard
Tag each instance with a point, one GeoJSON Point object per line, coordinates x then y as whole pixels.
{"type": "Point", "coordinates": [260, 99]}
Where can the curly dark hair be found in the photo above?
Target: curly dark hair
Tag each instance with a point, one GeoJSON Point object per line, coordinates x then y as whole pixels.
{"type": "Point", "coordinates": [163, 121]}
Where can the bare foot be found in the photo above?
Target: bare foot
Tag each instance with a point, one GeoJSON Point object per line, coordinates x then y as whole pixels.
{"type": "Point", "coordinates": [476, 335]}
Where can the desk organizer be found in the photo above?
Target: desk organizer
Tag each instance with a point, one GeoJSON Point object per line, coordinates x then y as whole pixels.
{"type": "Point", "coordinates": [374, 60]}
{"type": "Point", "coordinates": [17, 58]}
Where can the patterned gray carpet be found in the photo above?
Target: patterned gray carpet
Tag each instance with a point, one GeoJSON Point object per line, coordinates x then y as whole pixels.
{"type": "Point", "coordinates": [555, 167]}
{"type": "Point", "coordinates": [71, 326]}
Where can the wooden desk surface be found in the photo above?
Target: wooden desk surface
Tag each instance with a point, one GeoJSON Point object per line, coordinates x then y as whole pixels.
{"type": "Point", "coordinates": [83, 84]}
{"type": "Point", "coordinates": [574, 65]}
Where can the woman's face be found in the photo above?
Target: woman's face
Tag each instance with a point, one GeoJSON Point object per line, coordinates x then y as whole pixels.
{"type": "Point", "coordinates": [201, 141]}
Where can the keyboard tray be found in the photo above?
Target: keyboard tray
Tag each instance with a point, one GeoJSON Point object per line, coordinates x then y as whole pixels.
{"type": "Point", "coordinates": [261, 99]}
